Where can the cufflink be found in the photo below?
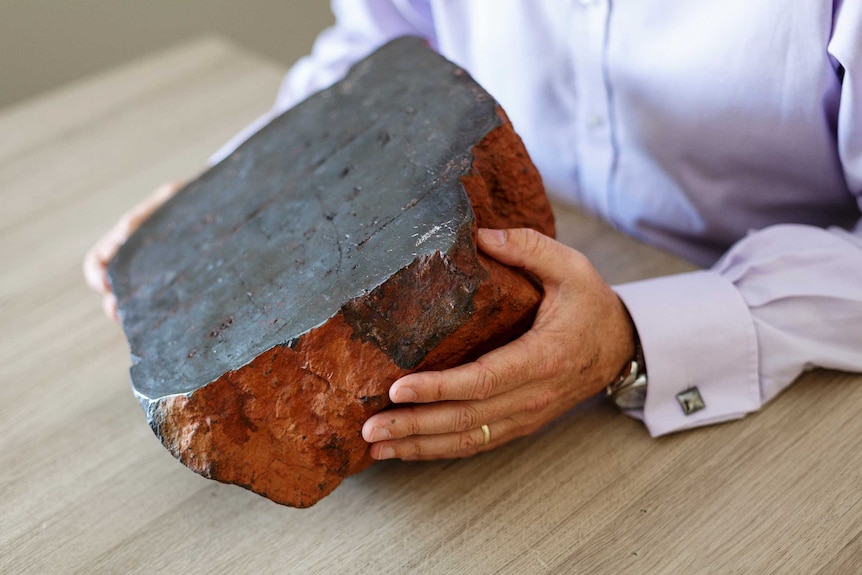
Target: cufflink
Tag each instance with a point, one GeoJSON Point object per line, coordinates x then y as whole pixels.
{"type": "Point", "coordinates": [690, 400]}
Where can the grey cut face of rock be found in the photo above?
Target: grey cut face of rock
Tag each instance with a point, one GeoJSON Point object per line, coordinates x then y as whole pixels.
{"type": "Point", "coordinates": [288, 286]}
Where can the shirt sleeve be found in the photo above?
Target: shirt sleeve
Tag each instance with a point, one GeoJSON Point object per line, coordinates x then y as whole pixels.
{"type": "Point", "coordinates": [783, 300]}
{"type": "Point", "coordinates": [360, 27]}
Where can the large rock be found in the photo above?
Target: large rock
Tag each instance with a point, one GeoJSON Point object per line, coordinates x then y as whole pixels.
{"type": "Point", "coordinates": [270, 305]}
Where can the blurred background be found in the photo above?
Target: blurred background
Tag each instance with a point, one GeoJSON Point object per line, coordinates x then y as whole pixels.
{"type": "Point", "coordinates": [45, 44]}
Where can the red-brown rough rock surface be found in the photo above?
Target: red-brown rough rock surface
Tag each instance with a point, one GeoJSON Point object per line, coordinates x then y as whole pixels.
{"type": "Point", "coordinates": [272, 303]}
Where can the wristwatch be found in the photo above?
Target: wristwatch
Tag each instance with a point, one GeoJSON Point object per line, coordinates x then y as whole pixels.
{"type": "Point", "coordinates": [630, 388]}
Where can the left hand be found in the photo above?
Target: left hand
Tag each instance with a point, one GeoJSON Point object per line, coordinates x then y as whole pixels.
{"type": "Point", "coordinates": [97, 258]}
{"type": "Point", "coordinates": [580, 341]}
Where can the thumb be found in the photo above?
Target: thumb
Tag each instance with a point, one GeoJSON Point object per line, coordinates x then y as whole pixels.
{"type": "Point", "coordinates": [549, 260]}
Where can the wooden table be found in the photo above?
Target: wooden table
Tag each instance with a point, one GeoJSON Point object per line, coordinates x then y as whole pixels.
{"type": "Point", "coordinates": [87, 488]}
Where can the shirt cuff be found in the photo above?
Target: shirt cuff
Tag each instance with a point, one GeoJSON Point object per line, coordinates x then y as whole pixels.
{"type": "Point", "coordinates": [696, 331]}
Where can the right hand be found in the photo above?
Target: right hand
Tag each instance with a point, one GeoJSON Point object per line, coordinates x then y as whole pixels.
{"type": "Point", "coordinates": [98, 256]}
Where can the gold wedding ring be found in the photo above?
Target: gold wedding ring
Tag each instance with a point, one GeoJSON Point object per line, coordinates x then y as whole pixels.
{"type": "Point", "coordinates": [486, 435]}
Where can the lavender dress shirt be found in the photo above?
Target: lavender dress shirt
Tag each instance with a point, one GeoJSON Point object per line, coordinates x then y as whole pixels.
{"type": "Point", "coordinates": [729, 133]}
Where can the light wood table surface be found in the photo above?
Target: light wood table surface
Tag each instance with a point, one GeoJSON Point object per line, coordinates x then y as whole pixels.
{"type": "Point", "coordinates": [85, 487]}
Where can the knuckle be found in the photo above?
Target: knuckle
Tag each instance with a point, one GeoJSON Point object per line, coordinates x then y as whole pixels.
{"type": "Point", "coordinates": [533, 242]}
{"type": "Point", "coordinates": [549, 364]}
{"type": "Point", "coordinates": [539, 401]}
{"type": "Point", "coordinates": [412, 425]}
{"type": "Point", "coordinates": [467, 444]}
{"type": "Point", "coordinates": [545, 355]}
{"type": "Point", "coordinates": [534, 354]}
{"type": "Point", "coordinates": [467, 418]}
{"type": "Point", "coordinates": [522, 426]}
{"type": "Point", "coordinates": [438, 389]}
{"type": "Point", "coordinates": [415, 448]}
{"type": "Point", "coordinates": [486, 381]}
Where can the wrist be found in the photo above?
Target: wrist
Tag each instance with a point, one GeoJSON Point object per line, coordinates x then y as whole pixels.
{"type": "Point", "coordinates": [628, 390]}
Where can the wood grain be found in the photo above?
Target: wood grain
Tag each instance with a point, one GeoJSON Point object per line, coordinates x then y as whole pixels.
{"type": "Point", "coordinates": [86, 488]}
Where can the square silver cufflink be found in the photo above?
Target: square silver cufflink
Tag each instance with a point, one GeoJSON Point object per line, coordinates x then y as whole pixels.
{"type": "Point", "coordinates": [690, 400]}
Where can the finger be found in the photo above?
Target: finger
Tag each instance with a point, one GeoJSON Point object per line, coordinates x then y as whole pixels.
{"type": "Point", "coordinates": [549, 260]}
{"type": "Point", "coordinates": [97, 258]}
{"type": "Point", "coordinates": [433, 419]}
{"type": "Point", "coordinates": [132, 220]}
{"type": "Point", "coordinates": [456, 416]}
{"type": "Point", "coordinates": [109, 305]}
{"type": "Point", "coordinates": [448, 445]}
{"type": "Point", "coordinates": [167, 190]}
{"type": "Point", "coordinates": [496, 372]}
{"type": "Point", "coordinates": [95, 272]}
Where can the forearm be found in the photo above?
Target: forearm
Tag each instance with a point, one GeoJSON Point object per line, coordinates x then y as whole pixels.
{"type": "Point", "coordinates": [782, 300]}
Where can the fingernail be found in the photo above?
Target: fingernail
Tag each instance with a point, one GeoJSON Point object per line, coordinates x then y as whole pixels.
{"type": "Point", "coordinates": [405, 395]}
{"type": "Point", "coordinates": [385, 452]}
{"type": "Point", "coordinates": [379, 434]}
{"type": "Point", "coordinates": [492, 237]}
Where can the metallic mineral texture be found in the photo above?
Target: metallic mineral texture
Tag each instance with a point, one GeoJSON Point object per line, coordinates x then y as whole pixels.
{"type": "Point", "coordinates": [270, 304]}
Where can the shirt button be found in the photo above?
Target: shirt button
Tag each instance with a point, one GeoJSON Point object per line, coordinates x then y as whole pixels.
{"type": "Point", "coordinates": [595, 121]}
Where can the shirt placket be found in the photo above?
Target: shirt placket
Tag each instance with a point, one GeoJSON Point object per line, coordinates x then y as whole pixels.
{"type": "Point", "coordinates": [593, 130]}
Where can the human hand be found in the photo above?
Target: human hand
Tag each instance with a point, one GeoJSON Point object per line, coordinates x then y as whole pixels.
{"type": "Point", "coordinates": [580, 341]}
{"type": "Point", "coordinates": [98, 256]}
